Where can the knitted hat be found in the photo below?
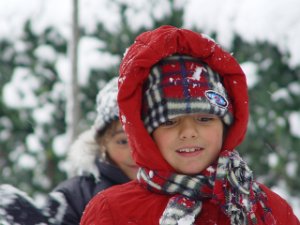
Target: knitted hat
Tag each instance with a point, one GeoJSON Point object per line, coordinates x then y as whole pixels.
{"type": "Point", "coordinates": [179, 85]}
{"type": "Point", "coordinates": [106, 105]}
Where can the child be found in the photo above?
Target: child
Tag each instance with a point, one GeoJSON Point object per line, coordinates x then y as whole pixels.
{"type": "Point", "coordinates": [184, 106]}
{"type": "Point", "coordinates": [100, 157]}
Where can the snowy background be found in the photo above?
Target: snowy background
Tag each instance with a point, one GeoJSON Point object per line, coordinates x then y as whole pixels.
{"type": "Point", "coordinates": [275, 21]}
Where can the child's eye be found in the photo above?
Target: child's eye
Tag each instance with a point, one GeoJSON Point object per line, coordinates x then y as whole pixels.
{"type": "Point", "coordinates": [205, 119]}
{"type": "Point", "coordinates": [168, 123]}
{"type": "Point", "coordinates": [123, 141]}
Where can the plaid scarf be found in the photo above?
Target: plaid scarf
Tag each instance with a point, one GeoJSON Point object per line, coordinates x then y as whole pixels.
{"type": "Point", "coordinates": [229, 183]}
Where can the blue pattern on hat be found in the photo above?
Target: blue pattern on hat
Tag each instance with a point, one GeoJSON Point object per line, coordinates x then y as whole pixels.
{"type": "Point", "coordinates": [185, 84]}
{"type": "Point", "coordinates": [176, 86]}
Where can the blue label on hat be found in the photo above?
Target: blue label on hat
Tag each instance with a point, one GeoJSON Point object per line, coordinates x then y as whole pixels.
{"type": "Point", "coordinates": [216, 99]}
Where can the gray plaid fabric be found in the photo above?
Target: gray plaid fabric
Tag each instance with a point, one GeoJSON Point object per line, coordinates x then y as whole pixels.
{"type": "Point", "coordinates": [186, 185]}
{"type": "Point", "coordinates": [187, 194]}
{"type": "Point", "coordinates": [179, 214]}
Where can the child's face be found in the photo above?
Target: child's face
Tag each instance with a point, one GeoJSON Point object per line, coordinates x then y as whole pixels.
{"type": "Point", "coordinates": [190, 143]}
{"type": "Point", "coordinates": [119, 151]}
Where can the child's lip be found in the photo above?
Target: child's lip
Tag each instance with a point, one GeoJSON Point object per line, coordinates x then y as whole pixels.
{"type": "Point", "coordinates": [190, 151]}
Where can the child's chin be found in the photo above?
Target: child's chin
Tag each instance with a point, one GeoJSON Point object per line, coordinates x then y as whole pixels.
{"type": "Point", "coordinates": [190, 172]}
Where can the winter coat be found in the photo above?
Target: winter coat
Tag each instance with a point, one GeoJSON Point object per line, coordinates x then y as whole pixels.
{"type": "Point", "coordinates": [133, 204]}
{"type": "Point", "coordinates": [78, 190]}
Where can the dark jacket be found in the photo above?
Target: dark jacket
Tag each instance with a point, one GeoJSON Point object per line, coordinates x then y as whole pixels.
{"type": "Point", "coordinates": [88, 175]}
{"type": "Point", "coordinates": [18, 208]}
{"type": "Point", "coordinates": [79, 190]}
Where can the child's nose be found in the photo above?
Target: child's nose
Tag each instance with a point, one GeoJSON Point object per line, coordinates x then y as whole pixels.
{"type": "Point", "coordinates": [188, 129]}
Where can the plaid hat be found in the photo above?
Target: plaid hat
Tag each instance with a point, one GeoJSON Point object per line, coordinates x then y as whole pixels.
{"type": "Point", "coordinates": [106, 105]}
{"type": "Point", "coordinates": [180, 85]}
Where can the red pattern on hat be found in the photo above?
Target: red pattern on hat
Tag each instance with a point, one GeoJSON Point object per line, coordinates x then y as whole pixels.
{"type": "Point", "coordinates": [180, 85]}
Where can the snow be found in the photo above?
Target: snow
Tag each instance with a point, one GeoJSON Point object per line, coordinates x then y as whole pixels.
{"type": "Point", "coordinates": [33, 143]}
{"type": "Point", "coordinates": [8, 193]}
{"type": "Point", "coordinates": [280, 94]}
{"type": "Point", "coordinates": [275, 21]}
{"type": "Point", "coordinates": [15, 12]}
{"type": "Point", "coordinates": [13, 199]}
{"type": "Point", "coordinates": [45, 53]}
{"type": "Point", "coordinates": [294, 88]}
{"type": "Point", "coordinates": [91, 58]}
{"type": "Point", "coordinates": [64, 68]}
{"type": "Point", "coordinates": [255, 20]}
{"type": "Point", "coordinates": [291, 168]}
{"type": "Point", "coordinates": [123, 118]}
{"type": "Point", "coordinates": [7, 126]}
{"type": "Point", "coordinates": [19, 92]}
{"type": "Point", "coordinates": [26, 161]}
{"type": "Point", "coordinates": [250, 69]}
{"type": "Point", "coordinates": [273, 160]}
{"type": "Point", "coordinates": [294, 121]}
{"type": "Point", "coordinates": [44, 114]}
{"type": "Point", "coordinates": [59, 145]}
{"type": "Point", "coordinates": [139, 19]}
{"type": "Point", "coordinates": [89, 14]}
{"type": "Point", "coordinates": [197, 73]}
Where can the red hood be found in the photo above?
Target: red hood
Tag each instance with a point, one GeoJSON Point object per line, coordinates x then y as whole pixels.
{"type": "Point", "coordinates": [147, 50]}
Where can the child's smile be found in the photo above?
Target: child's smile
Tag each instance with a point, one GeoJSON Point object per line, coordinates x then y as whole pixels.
{"type": "Point", "coordinates": [190, 143]}
{"type": "Point", "coordinates": [190, 151]}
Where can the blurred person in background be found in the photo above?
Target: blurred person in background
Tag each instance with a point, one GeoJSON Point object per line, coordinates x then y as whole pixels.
{"type": "Point", "coordinates": [99, 159]}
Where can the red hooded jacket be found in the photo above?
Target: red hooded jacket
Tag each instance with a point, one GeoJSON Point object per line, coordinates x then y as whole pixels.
{"type": "Point", "coordinates": [132, 204]}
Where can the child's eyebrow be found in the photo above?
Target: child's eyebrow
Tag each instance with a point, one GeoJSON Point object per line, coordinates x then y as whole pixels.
{"type": "Point", "coordinates": [117, 132]}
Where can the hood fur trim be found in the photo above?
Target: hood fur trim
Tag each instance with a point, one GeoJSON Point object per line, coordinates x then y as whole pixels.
{"type": "Point", "coordinates": [82, 155]}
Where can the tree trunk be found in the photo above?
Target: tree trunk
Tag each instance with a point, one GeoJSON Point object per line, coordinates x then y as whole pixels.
{"type": "Point", "coordinates": [73, 104]}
